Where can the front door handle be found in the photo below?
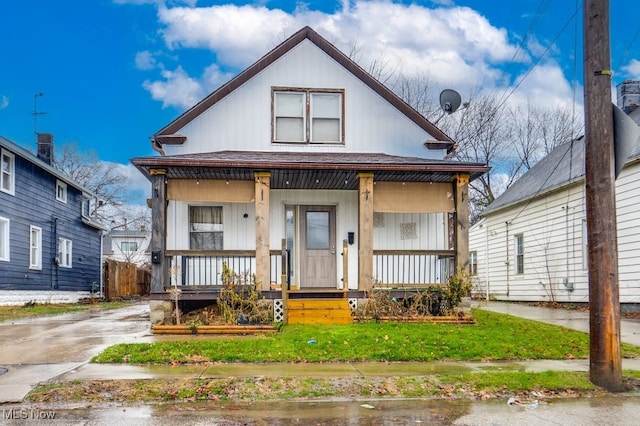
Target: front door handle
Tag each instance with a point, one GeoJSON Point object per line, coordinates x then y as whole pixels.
{"type": "Point", "coordinates": [333, 249]}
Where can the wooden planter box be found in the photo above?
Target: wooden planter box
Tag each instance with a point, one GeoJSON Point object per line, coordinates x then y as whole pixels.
{"type": "Point", "coordinates": [213, 329]}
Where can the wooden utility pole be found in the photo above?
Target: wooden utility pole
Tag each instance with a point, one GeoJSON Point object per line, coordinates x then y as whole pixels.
{"type": "Point", "coordinates": [605, 364]}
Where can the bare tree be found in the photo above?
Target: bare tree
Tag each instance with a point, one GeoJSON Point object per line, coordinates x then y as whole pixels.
{"type": "Point", "coordinates": [109, 186]}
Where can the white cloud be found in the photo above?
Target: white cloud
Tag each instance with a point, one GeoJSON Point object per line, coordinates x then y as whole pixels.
{"type": "Point", "coordinates": [4, 102]}
{"type": "Point", "coordinates": [145, 60]}
{"type": "Point", "coordinates": [456, 46]}
{"type": "Point", "coordinates": [633, 69]}
{"type": "Point", "coordinates": [177, 89]}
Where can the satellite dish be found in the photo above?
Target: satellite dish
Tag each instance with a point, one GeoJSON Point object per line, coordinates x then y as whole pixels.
{"type": "Point", "coordinates": [450, 100]}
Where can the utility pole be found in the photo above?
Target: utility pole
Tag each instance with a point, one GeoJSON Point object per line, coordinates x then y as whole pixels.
{"type": "Point", "coordinates": [605, 364]}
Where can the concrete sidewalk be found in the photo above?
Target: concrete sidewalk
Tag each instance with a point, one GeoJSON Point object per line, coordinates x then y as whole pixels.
{"type": "Point", "coordinates": [40, 349]}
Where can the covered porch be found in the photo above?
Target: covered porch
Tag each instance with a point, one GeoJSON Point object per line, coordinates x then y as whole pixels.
{"type": "Point", "coordinates": [311, 225]}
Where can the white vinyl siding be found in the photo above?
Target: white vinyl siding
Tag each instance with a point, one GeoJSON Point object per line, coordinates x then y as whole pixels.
{"type": "Point", "coordinates": [4, 239]}
{"type": "Point", "coordinates": [65, 252]}
{"type": "Point", "coordinates": [7, 172]}
{"type": "Point", "coordinates": [307, 116]}
{"type": "Point", "coordinates": [35, 247]}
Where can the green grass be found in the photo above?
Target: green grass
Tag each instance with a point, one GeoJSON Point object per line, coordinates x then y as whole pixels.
{"type": "Point", "coordinates": [16, 312]}
{"type": "Point", "coordinates": [471, 385]}
{"type": "Point", "coordinates": [493, 337]}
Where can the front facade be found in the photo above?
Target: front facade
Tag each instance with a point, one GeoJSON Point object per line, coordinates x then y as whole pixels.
{"type": "Point", "coordinates": [304, 173]}
{"type": "Point", "coordinates": [50, 248]}
{"type": "Point", "coordinates": [531, 244]}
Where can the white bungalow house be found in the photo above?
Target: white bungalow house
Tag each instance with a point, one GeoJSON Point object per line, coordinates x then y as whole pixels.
{"type": "Point", "coordinates": [531, 243]}
{"type": "Point", "coordinates": [308, 177]}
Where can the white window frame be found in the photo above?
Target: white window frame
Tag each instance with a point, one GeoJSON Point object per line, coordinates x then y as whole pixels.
{"type": "Point", "coordinates": [307, 115]}
{"type": "Point", "coordinates": [5, 234]}
{"type": "Point", "coordinates": [128, 244]}
{"type": "Point", "coordinates": [35, 247]}
{"type": "Point", "coordinates": [518, 250]}
{"type": "Point", "coordinates": [7, 173]}
{"type": "Point", "coordinates": [65, 253]}
{"type": "Point", "coordinates": [61, 191]}
{"type": "Point", "coordinates": [473, 262]}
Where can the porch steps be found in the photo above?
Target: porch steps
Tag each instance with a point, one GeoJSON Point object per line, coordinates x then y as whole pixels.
{"type": "Point", "coordinates": [319, 311]}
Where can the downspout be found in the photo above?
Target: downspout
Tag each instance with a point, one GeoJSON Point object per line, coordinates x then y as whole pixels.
{"type": "Point", "coordinates": [55, 264]}
{"type": "Point", "coordinates": [506, 246]}
{"type": "Point", "coordinates": [101, 263]}
{"type": "Point", "coordinates": [486, 258]}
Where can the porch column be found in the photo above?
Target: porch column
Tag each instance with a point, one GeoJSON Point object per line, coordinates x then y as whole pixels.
{"type": "Point", "coordinates": [261, 197]}
{"type": "Point", "coordinates": [461, 187]}
{"type": "Point", "coordinates": [365, 231]}
{"type": "Point", "coordinates": [158, 229]}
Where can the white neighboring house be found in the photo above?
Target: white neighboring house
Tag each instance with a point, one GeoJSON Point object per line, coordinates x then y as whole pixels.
{"type": "Point", "coordinates": [531, 243]}
{"type": "Point", "coordinates": [128, 245]}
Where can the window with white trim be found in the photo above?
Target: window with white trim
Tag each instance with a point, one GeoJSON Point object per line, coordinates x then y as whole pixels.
{"type": "Point", "coordinates": [129, 246]}
{"type": "Point", "coordinates": [65, 252]}
{"type": "Point", "coordinates": [585, 246]}
{"type": "Point", "coordinates": [308, 116]}
{"type": "Point", "coordinates": [473, 262]}
{"type": "Point", "coordinates": [4, 239]}
{"type": "Point", "coordinates": [519, 250]}
{"type": "Point", "coordinates": [35, 247]}
{"type": "Point", "coordinates": [7, 172]}
{"type": "Point", "coordinates": [205, 228]}
{"type": "Point", "coordinates": [61, 191]}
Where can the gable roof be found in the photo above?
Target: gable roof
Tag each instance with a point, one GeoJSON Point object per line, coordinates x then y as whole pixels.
{"type": "Point", "coordinates": [562, 166]}
{"type": "Point", "coordinates": [20, 151]}
{"type": "Point", "coordinates": [168, 133]}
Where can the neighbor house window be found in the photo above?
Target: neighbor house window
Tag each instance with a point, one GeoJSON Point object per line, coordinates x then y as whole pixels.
{"type": "Point", "coordinates": [205, 228]}
{"type": "Point", "coordinates": [61, 191]}
{"type": "Point", "coordinates": [65, 252]}
{"type": "Point", "coordinates": [4, 239]}
{"type": "Point", "coordinates": [129, 246]}
{"type": "Point", "coordinates": [7, 172]}
{"type": "Point", "coordinates": [473, 262]}
{"type": "Point", "coordinates": [308, 116]}
{"type": "Point", "coordinates": [519, 249]}
{"type": "Point", "coordinates": [35, 247]}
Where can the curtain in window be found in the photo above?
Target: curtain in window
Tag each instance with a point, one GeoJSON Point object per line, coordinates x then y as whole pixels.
{"type": "Point", "coordinates": [205, 225]}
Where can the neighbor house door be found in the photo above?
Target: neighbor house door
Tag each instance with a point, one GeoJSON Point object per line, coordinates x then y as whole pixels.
{"type": "Point", "coordinates": [318, 247]}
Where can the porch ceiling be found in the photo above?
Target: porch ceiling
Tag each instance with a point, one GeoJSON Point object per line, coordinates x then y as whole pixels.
{"type": "Point", "coordinates": [307, 170]}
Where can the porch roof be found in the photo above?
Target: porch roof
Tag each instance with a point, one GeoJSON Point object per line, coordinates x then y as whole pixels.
{"type": "Point", "coordinates": [307, 170]}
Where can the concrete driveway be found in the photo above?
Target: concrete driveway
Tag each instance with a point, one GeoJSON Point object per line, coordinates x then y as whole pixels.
{"type": "Point", "coordinates": [38, 349]}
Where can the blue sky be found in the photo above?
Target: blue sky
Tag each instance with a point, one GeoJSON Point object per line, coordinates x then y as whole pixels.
{"type": "Point", "coordinates": [113, 72]}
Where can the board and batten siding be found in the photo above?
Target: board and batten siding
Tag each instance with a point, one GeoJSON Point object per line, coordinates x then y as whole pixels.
{"type": "Point", "coordinates": [35, 204]}
{"type": "Point", "coordinates": [242, 119]}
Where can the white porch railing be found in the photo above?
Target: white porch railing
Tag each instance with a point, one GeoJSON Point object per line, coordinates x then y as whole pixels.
{"type": "Point", "coordinates": [412, 268]}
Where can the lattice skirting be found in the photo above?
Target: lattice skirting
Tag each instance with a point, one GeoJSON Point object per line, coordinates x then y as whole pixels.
{"type": "Point", "coordinates": [278, 310]}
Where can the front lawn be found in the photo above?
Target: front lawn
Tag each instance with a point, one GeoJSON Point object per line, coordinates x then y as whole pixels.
{"type": "Point", "coordinates": [493, 337]}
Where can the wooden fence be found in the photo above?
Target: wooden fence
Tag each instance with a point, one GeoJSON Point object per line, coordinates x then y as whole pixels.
{"type": "Point", "coordinates": [125, 280]}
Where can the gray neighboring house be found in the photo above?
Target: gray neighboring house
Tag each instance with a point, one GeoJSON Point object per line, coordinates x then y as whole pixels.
{"type": "Point", "coordinates": [50, 245]}
{"type": "Point", "coordinates": [531, 243]}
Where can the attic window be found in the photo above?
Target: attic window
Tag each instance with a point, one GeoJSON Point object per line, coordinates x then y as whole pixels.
{"type": "Point", "coordinates": [308, 116]}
